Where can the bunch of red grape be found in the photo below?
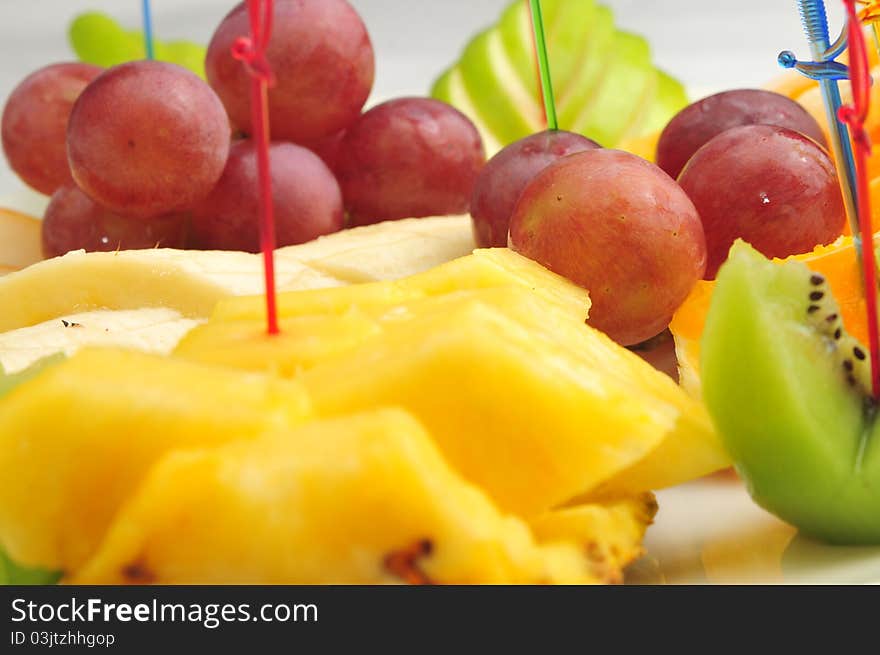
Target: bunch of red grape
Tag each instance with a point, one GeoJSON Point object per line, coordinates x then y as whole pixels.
{"type": "Point", "coordinates": [147, 154]}
{"type": "Point", "coordinates": [750, 165]}
{"type": "Point", "coordinates": [755, 166]}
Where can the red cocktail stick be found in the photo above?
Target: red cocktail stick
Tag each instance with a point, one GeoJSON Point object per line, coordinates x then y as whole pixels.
{"type": "Point", "coordinates": [855, 116]}
{"type": "Point", "coordinates": [252, 52]}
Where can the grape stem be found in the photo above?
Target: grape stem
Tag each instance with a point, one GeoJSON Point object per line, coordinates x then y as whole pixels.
{"type": "Point", "coordinates": [543, 64]}
{"type": "Point", "coordinates": [252, 52]}
{"type": "Point", "coordinates": [148, 30]}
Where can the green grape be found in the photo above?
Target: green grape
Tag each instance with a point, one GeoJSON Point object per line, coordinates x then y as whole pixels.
{"type": "Point", "coordinates": [98, 39]}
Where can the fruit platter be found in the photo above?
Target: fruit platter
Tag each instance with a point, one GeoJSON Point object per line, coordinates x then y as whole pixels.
{"type": "Point", "coordinates": [530, 292]}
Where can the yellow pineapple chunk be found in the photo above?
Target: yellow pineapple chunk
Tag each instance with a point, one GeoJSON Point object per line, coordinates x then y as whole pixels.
{"type": "Point", "coordinates": [364, 499]}
{"type": "Point", "coordinates": [689, 451]}
{"type": "Point", "coordinates": [332, 321]}
{"type": "Point", "coordinates": [520, 416]}
{"type": "Point", "coordinates": [610, 531]}
{"type": "Point", "coordinates": [76, 440]}
{"type": "Point", "coordinates": [486, 268]}
{"type": "Point", "coordinates": [303, 341]}
{"type": "Point", "coordinates": [687, 448]}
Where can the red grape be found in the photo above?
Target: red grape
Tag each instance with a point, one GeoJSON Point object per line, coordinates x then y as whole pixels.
{"type": "Point", "coordinates": [328, 148]}
{"type": "Point", "coordinates": [322, 59]}
{"type": "Point", "coordinates": [698, 123]}
{"type": "Point", "coordinates": [73, 221]}
{"type": "Point", "coordinates": [147, 138]}
{"type": "Point", "coordinates": [409, 158]}
{"type": "Point", "coordinates": [504, 177]}
{"type": "Point", "coordinates": [307, 200]}
{"type": "Point", "coordinates": [620, 227]}
{"type": "Point", "coordinates": [768, 185]}
{"type": "Point", "coordinates": [34, 127]}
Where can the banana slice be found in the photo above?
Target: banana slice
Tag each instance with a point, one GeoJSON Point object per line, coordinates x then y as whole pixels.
{"type": "Point", "coordinates": [150, 330]}
{"type": "Point", "coordinates": [191, 282]}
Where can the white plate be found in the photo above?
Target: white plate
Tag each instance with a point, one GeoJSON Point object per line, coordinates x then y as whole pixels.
{"type": "Point", "coordinates": [706, 531]}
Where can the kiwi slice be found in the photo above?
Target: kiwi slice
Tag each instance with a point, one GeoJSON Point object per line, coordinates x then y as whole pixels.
{"type": "Point", "coordinates": [787, 388]}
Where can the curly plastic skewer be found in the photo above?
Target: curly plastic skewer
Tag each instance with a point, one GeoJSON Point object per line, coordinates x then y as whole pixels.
{"type": "Point", "coordinates": [252, 52]}
{"type": "Point", "coordinates": [855, 116]}
{"type": "Point", "coordinates": [827, 72]}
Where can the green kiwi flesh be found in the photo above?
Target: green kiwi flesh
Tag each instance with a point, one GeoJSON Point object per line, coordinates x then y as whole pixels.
{"type": "Point", "coordinates": [787, 388]}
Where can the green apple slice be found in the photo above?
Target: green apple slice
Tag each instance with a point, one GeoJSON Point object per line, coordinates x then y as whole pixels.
{"type": "Point", "coordinates": [592, 68]}
{"type": "Point", "coordinates": [616, 104]}
{"type": "Point", "coordinates": [450, 88]}
{"type": "Point", "coordinates": [516, 34]}
{"type": "Point", "coordinates": [572, 27]}
{"type": "Point", "coordinates": [605, 84]}
{"type": "Point", "coordinates": [670, 97]}
{"type": "Point", "coordinates": [582, 35]}
{"type": "Point", "coordinates": [504, 103]}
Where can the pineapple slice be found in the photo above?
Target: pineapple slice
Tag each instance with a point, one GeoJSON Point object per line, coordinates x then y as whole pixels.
{"type": "Point", "coordinates": [363, 499]}
{"type": "Point", "coordinates": [76, 440]}
{"type": "Point", "coordinates": [552, 315]}
{"type": "Point", "coordinates": [518, 415]}
{"type": "Point", "coordinates": [610, 531]}
{"type": "Point", "coordinates": [303, 342]}
{"type": "Point", "coordinates": [333, 321]}
{"type": "Point", "coordinates": [517, 406]}
{"type": "Point", "coordinates": [485, 268]}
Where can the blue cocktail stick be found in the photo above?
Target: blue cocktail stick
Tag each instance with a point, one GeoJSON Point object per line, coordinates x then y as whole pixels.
{"type": "Point", "coordinates": [827, 72]}
{"type": "Point", "coordinates": [148, 30]}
